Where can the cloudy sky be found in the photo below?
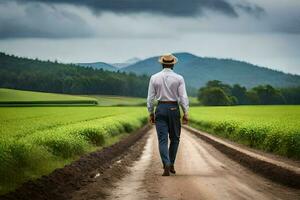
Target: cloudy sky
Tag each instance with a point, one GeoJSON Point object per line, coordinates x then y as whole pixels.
{"type": "Point", "coordinates": [263, 32]}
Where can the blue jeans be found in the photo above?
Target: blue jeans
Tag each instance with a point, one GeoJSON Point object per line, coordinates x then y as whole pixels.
{"type": "Point", "coordinates": [167, 122]}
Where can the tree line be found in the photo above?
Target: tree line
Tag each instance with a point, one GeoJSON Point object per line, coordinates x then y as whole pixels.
{"type": "Point", "coordinates": [47, 76]}
{"type": "Point", "coordinates": [216, 93]}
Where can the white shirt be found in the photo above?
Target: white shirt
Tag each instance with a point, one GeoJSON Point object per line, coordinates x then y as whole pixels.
{"type": "Point", "coordinates": [166, 85]}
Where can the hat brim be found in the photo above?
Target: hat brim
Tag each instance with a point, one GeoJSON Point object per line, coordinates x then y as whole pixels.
{"type": "Point", "coordinates": [160, 60]}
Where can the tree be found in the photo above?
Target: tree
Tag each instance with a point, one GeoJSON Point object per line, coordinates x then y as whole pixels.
{"type": "Point", "coordinates": [291, 95]}
{"type": "Point", "coordinates": [213, 96]}
{"type": "Point", "coordinates": [269, 95]}
{"type": "Point", "coordinates": [216, 83]}
{"type": "Point", "coordinates": [252, 98]}
{"type": "Point", "coordinates": [233, 100]}
{"type": "Point", "coordinates": [210, 87]}
{"type": "Point", "coordinates": [240, 93]}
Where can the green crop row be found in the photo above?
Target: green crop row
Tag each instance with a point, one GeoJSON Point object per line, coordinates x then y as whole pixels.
{"type": "Point", "coordinates": [273, 129]}
{"type": "Point", "coordinates": [21, 121]}
{"type": "Point", "coordinates": [65, 134]}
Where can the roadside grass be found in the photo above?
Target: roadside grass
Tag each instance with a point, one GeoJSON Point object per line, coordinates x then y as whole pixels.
{"type": "Point", "coordinates": [36, 140]}
{"type": "Point", "coordinates": [273, 129]}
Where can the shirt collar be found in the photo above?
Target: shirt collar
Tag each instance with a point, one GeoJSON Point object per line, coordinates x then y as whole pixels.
{"type": "Point", "coordinates": [167, 70]}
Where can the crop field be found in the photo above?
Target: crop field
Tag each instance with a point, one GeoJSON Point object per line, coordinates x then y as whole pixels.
{"type": "Point", "coordinates": [110, 100]}
{"type": "Point", "coordinates": [271, 128]}
{"type": "Point", "coordinates": [36, 140]}
{"type": "Point", "coordinates": [11, 97]}
{"type": "Point", "coordinates": [20, 97]}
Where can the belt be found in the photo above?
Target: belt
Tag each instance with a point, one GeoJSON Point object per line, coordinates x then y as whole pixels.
{"type": "Point", "coordinates": [168, 102]}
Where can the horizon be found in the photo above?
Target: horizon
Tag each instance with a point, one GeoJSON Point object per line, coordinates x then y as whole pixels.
{"type": "Point", "coordinates": [153, 56]}
{"type": "Point", "coordinates": [262, 33]}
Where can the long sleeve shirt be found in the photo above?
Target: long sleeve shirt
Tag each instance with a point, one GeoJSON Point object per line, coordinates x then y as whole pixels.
{"type": "Point", "coordinates": [166, 85]}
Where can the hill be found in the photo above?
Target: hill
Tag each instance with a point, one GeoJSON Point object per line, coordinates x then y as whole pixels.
{"type": "Point", "coordinates": [198, 70]}
{"type": "Point", "coordinates": [99, 65]}
{"type": "Point", "coordinates": [46, 76]}
{"type": "Point", "coordinates": [19, 97]}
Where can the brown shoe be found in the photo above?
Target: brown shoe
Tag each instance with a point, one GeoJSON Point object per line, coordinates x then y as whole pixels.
{"type": "Point", "coordinates": [166, 171]}
{"type": "Point", "coordinates": [172, 169]}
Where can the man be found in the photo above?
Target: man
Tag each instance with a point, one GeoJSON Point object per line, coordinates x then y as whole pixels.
{"type": "Point", "coordinates": [169, 89]}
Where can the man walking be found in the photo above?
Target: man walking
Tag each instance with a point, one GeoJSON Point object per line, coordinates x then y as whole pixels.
{"type": "Point", "coordinates": [169, 89]}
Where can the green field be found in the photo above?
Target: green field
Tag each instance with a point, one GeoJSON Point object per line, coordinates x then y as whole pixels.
{"type": "Point", "coordinates": [36, 140]}
{"type": "Point", "coordinates": [274, 129]}
{"type": "Point", "coordinates": [11, 97]}
{"type": "Point", "coordinates": [19, 97]}
{"type": "Point", "coordinates": [110, 100]}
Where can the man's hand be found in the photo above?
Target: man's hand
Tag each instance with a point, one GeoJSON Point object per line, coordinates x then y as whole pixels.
{"type": "Point", "coordinates": [152, 118]}
{"type": "Point", "coordinates": [185, 119]}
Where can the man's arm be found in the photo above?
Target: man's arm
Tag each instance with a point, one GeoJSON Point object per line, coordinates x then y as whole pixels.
{"type": "Point", "coordinates": [150, 100]}
{"type": "Point", "coordinates": [183, 100]}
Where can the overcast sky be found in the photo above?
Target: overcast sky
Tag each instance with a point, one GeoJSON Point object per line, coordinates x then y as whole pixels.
{"type": "Point", "coordinates": [263, 32]}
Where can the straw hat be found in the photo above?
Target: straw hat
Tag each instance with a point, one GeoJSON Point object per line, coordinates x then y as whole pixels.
{"type": "Point", "coordinates": [168, 59]}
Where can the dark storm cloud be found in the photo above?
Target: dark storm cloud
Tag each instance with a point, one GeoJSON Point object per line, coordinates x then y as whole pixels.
{"type": "Point", "coordinates": [50, 19]}
{"type": "Point", "coordinates": [40, 21]}
{"type": "Point", "coordinates": [251, 9]}
{"type": "Point", "coordinates": [165, 7]}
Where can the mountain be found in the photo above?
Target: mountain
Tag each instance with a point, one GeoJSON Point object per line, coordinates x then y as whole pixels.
{"type": "Point", "coordinates": [198, 70]}
{"type": "Point", "coordinates": [110, 67]}
{"type": "Point", "coordinates": [126, 63]}
{"type": "Point", "coordinates": [133, 60]}
{"type": "Point", "coordinates": [99, 65]}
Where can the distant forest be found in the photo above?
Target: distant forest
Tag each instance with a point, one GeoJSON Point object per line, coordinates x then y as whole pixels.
{"type": "Point", "coordinates": [46, 76]}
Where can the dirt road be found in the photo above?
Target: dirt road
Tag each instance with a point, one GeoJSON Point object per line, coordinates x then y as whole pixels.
{"type": "Point", "coordinates": [202, 173]}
